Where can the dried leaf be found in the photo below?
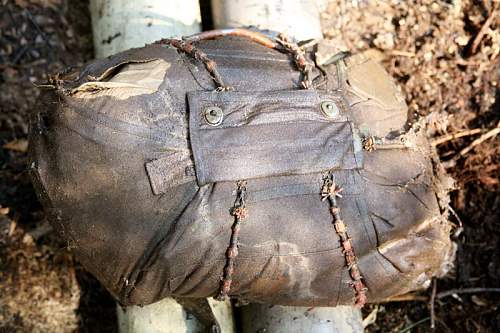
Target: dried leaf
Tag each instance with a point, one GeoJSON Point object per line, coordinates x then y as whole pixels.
{"type": "Point", "coordinates": [478, 301]}
{"type": "Point", "coordinates": [20, 145]}
{"type": "Point", "coordinates": [4, 210]}
{"type": "Point", "coordinates": [12, 228]}
{"type": "Point", "coordinates": [28, 240]}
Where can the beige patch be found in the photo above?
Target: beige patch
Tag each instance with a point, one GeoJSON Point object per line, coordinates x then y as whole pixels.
{"type": "Point", "coordinates": [132, 80]}
{"type": "Point", "coordinates": [369, 80]}
{"type": "Point", "coordinates": [426, 248]}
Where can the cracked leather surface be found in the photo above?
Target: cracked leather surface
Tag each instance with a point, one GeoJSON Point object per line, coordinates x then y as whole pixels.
{"type": "Point", "coordinates": [140, 186]}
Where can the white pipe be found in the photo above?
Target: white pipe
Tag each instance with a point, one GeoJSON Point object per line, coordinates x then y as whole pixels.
{"type": "Point", "coordinates": [168, 316]}
{"type": "Point", "coordinates": [297, 18]}
{"type": "Point", "coordinates": [294, 319]}
{"type": "Point", "coordinates": [119, 25]}
{"type": "Point", "coordinates": [165, 316]}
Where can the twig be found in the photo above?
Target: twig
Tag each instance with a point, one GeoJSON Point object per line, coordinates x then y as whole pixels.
{"type": "Point", "coordinates": [450, 292]}
{"type": "Point", "coordinates": [460, 223]}
{"type": "Point", "coordinates": [432, 303]}
{"type": "Point", "coordinates": [371, 318]}
{"type": "Point", "coordinates": [453, 136]}
{"type": "Point", "coordinates": [402, 53]}
{"type": "Point", "coordinates": [484, 28]}
{"type": "Point", "coordinates": [406, 298]}
{"type": "Point", "coordinates": [460, 228]}
{"type": "Point", "coordinates": [41, 230]}
{"type": "Point", "coordinates": [406, 329]}
{"type": "Point", "coordinates": [491, 133]}
{"type": "Point", "coordinates": [20, 53]}
{"type": "Point", "coordinates": [422, 298]}
{"type": "Point", "coordinates": [42, 34]}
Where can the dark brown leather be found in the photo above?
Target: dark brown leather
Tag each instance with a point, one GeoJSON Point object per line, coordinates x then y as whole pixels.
{"type": "Point", "coordinates": [141, 187]}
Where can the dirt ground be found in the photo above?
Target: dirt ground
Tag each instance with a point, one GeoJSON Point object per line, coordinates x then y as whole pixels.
{"type": "Point", "coordinates": [444, 55]}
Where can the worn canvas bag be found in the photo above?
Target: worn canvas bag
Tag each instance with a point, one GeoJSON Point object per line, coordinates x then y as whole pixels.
{"type": "Point", "coordinates": [233, 164]}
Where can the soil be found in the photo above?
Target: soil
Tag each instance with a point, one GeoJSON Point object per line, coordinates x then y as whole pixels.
{"type": "Point", "coordinates": [443, 54]}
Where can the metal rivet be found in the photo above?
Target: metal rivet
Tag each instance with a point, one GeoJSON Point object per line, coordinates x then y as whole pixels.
{"type": "Point", "coordinates": [330, 109]}
{"type": "Point", "coordinates": [213, 115]}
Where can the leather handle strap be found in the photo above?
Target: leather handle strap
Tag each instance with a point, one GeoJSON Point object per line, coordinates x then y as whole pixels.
{"type": "Point", "coordinates": [282, 44]}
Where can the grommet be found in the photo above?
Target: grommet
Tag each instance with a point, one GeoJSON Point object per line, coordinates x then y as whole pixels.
{"type": "Point", "coordinates": [213, 115]}
{"type": "Point", "coordinates": [330, 109]}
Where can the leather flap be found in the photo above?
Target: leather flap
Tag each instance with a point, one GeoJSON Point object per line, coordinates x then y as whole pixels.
{"type": "Point", "coordinates": [269, 134]}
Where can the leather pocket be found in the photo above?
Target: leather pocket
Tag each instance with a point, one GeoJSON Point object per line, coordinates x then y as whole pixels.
{"type": "Point", "coordinates": [254, 135]}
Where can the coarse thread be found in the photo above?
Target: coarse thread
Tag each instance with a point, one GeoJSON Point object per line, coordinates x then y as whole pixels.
{"type": "Point", "coordinates": [331, 191]}
{"type": "Point", "coordinates": [191, 50]}
{"type": "Point", "coordinates": [239, 212]}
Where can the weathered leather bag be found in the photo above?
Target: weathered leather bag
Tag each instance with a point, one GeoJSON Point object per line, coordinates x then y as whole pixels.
{"type": "Point", "coordinates": [248, 167]}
